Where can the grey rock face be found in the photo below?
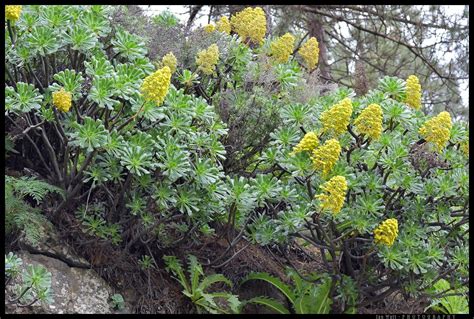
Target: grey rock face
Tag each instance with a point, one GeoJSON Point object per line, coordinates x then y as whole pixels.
{"type": "Point", "coordinates": [75, 290]}
{"type": "Point", "coordinates": [51, 245]}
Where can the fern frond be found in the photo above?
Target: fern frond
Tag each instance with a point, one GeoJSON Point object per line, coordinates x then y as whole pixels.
{"type": "Point", "coordinates": [21, 216]}
{"type": "Point", "coordinates": [30, 186]}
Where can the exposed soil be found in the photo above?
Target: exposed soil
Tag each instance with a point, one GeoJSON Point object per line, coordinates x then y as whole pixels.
{"type": "Point", "coordinates": [396, 304]}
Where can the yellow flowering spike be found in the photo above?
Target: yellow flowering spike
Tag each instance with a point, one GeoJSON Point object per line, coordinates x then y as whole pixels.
{"type": "Point", "coordinates": [12, 12]}
{"type": "Point", "coordinates": [387, 232]}
{"type": "Point", "coordinates": [437, 130]}
{"type": "Point", "coordinates": [310, 53]}
{"type": "Point", "coordinates": [335, 191]}
{"type": "Point", "coordinates": [308, 143]}
{"type": "Point", "coordinates": [413, 92]}
{"type": "Point", "coordinates": [465, 147]}
{"type": "Point", "coordinates": [62, 100]}
{"type": "Point", "coordinates": [223, 25]}
{"type": "Point", "coordinates": [170, 61]}
{"type": "Point", "coordinates": [209, 28]}
{"type": "Point", "coordinates": [336, 119]}
{"type": "Point", "coordinates": [325, 157]}
{"type": "Point", "coordinates": [155, 86]}
{"type": "Point", "coordinates": [281, 48]}
{"type": "Point", "coordinates": [369, 122]}
{"type": "Point", "coordinates": [250, 24]}
{"type": "Point", "coordinates": [207, 59]}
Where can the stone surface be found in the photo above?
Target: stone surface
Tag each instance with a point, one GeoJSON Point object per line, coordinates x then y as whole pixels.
{"type": "Point", "coordinates": [75, 290]}
{"type": "Point", "coordinates": [51, 245]}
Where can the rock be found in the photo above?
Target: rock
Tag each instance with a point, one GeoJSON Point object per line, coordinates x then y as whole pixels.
{"type": "Point", "coordinates": [75, 290]}
{"type": "Point", "coordinates": [51, 245]}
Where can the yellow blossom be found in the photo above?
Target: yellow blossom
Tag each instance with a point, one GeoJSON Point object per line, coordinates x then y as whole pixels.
{"type": "Point", "coordinates": [281, 48]}
{"type": "Point", "coordinates": [223, 25]}
{"type": "Point", "coordinates": [250, 23]}
{"type": "Point", "coordinates": [310, 53]}
{"type": "Point", "coordinates": [209, 28]}
{"type": "Point", "coordinates": [170, 61]}
{"type": "Point", "coordinates": [437, 130]}
{"type": "Point", "coordinates": [464, 146]}
{"type": "Point", "coordinates": [207, 59]}
{"type": "Point", "coordinates": [12, 12]}
{"type": "Point", "coordinates": [335, 190]}
{"type": "Point", "coordinates": [413, 92]}
{"type": "Point", "coordinates": [62, 100]}
{"type": "Point", "coordinates": [325, 157]}
{"type": "Point", "coordinates": [336, 119]}
{"type": "Point", "coordinates": [155, 86]}
{"type": "Point", "coordinates": [369, 122]}
{"type": "Point", "coordinates": [387, 232]}
{"type": "Point", "coordinates": [308, 143]}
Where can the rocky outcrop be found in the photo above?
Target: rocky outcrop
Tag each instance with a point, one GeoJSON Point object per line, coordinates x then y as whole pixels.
{"type": "Point", "coordinates": [52, 246]}
{"type": "Point", "coordinates": [75, 290]}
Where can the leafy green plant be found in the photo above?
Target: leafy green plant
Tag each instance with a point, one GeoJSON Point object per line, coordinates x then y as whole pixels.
{"type": "Point", "coordinates": [166, 19]}
{"type": "Point", "coordinates": [34, 285]}
{"type": "Point", "coordinates": [145, 262]}
{"type": "Point", "coordinates": [196, 288]}
{"type": "Point", "coordinates": [450, 304]}
{"type": "Point", "coordinates": [12, 266]}
{"type": "Point", "coordinates": [305, 297]}
{"type": "Point", "coordinates": [218, 151]}
{"type": "Point", "coordinates": [93, 222]}
{"type": "Point", "coordinates": [397, 176]}
{"type": "Point", "coordinates": [117, 301]}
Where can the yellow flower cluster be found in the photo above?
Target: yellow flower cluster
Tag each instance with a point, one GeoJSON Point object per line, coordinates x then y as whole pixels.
{"type": "Point", "coordinates": [281, 48]}
{"type": "Point", "coordinates": [62, 100]}
{"type": "Point", "coordinates": [437, 130]}
{"type": "Point", "coordinates": [209, 28]}
{"type": "Point", "coordinates": [387, 232]}
{"type": "Point", "coordinates": [155, 86]}
{"type": "Point", "coordinates": [308, 143]}
{"type": "Point", "coordinates": [413, 92]}
{"type": "Point", "coordinates": [336, 119]}
{"type": "Point", "coordinates": [207, 59]}
{"type": "Point", "coordinates": [223, 25]}
{"type": "Point", "coordinates": [250, 23]}
{"type": "Point", "coordinates": [325, 156]}
{"type": "Point", "coordinates": [170, 61]}
{"type": "Point", "coordinates": [336, 189]}
{"type": "Point", "coordinates": [369, 122]}
{"type": "Point", "coordinates": [465, 147]}
{"type": "Point", "coordinates": [310, 53]}
{"type": "Point", "coordinates": [12, 12]}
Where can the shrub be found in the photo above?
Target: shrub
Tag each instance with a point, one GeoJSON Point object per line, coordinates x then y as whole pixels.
{"type": "Point", "coordinates": [112, 138]}
{"type": "Point", "coordinates": [399, 177]}
{"type": "Point", "coordinates": [380, 188]}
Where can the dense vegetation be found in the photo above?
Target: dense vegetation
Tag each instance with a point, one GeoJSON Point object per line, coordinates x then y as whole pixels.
{"type": "Point", "coordinates": [229, 135]}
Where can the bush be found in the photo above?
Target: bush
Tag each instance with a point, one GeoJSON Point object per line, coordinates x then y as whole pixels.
{"type": "Point", "coordinates": [380, 188]}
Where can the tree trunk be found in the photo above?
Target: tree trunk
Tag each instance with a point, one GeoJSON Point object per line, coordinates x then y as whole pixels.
{"type": "Point", "coordinates": [266, 8]}
{"type": "Point", "coordinates": [193, 11]}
